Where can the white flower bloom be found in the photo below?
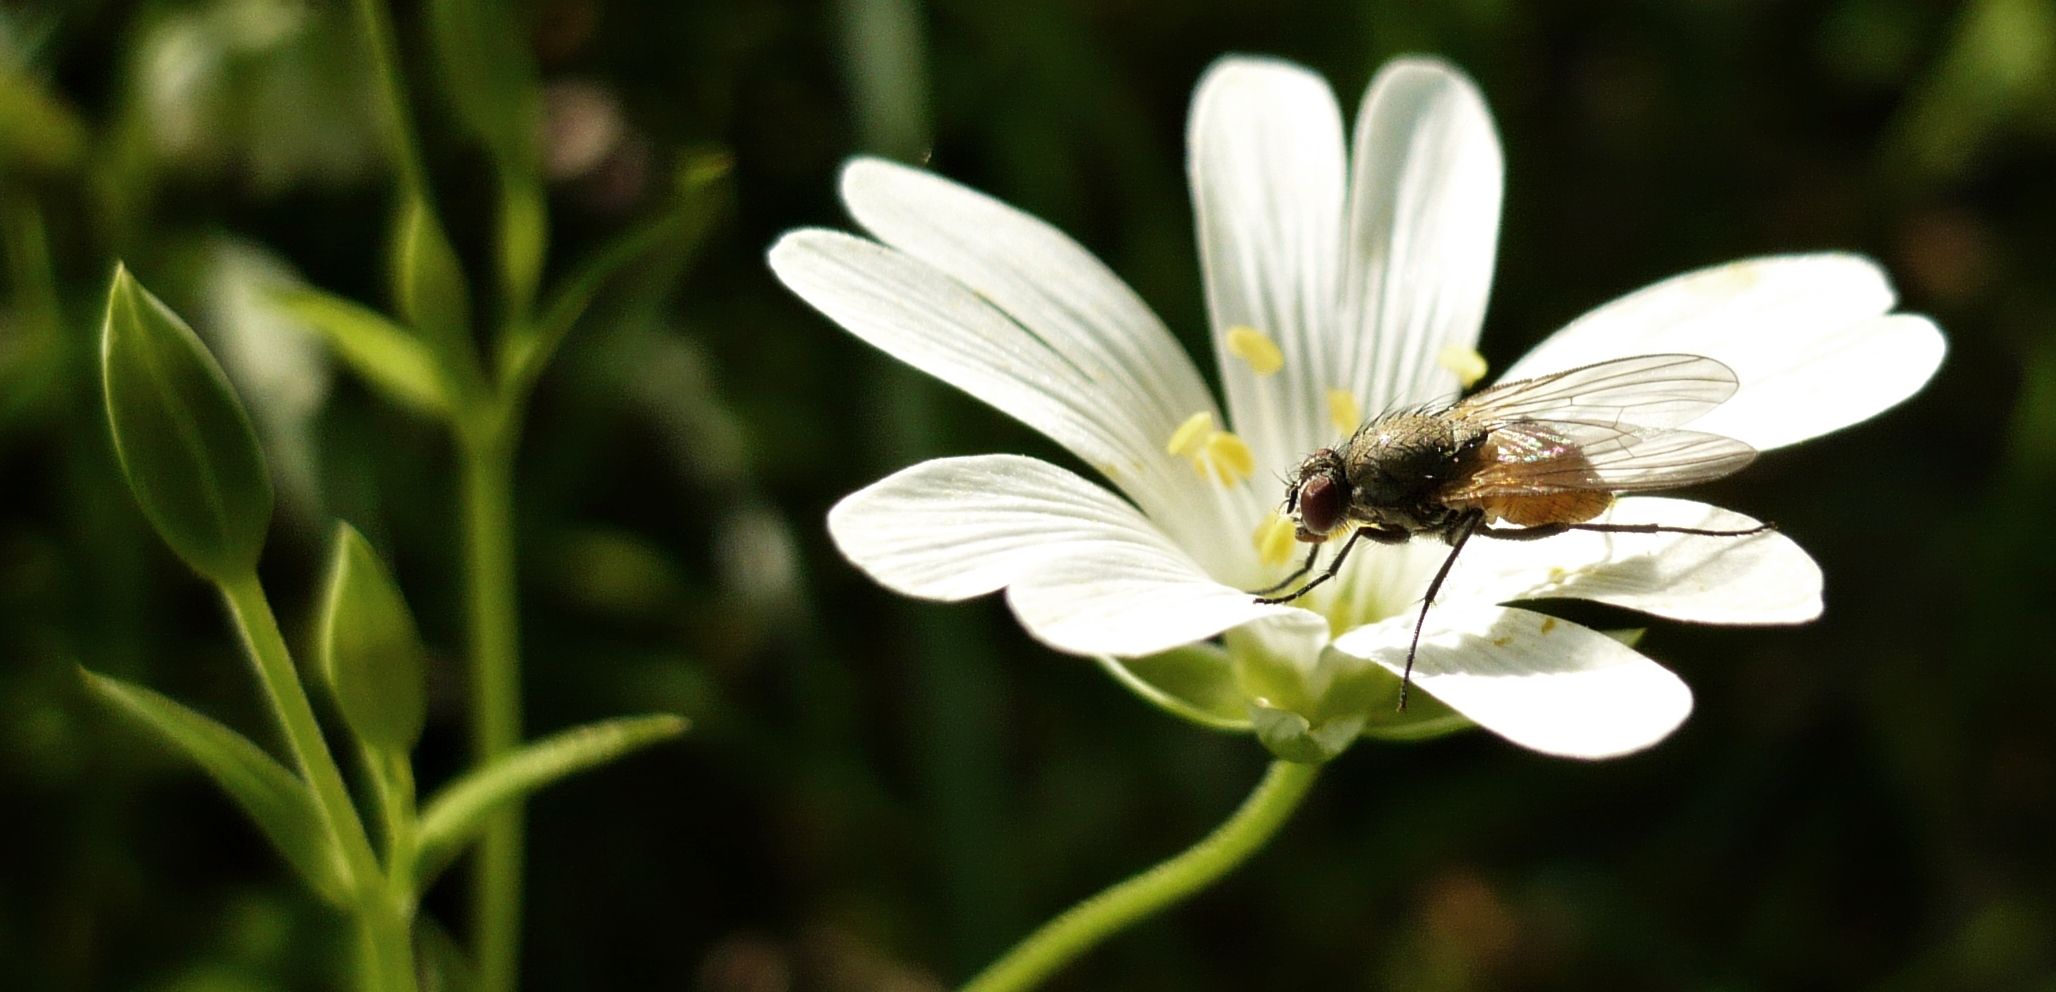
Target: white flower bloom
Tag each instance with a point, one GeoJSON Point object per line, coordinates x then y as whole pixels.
{"type": "Point", "coordinates": [1336, 287]}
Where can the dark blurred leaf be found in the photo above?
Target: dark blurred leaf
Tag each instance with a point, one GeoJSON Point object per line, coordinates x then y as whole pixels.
{"type": "Point", "coordinates": [370, 651]}
{"type": "Point", "coordinates": [488, 76]}
{"type": "Point", "coordinates": [275, 799]}
{"type": "Point", "coordinates": [680, 226]}
{"type": "Point", "coordinates": [185, 442]}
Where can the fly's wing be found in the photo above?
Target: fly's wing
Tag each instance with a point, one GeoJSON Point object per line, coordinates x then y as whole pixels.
{"type": "Point", "coordinates": [1538, 457]}
{"type": "Point", "coordinates": [1646, 391]}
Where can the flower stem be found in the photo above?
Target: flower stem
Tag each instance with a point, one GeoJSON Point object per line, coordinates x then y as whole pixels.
{"type": "Point", "coordinates": [1085, 925]}
{"type": "Point", "coordinates": [487, 454]}
{"type": "Point", "coordinates": [388, 947]}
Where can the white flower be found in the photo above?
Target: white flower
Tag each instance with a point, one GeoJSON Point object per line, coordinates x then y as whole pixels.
{"type": "Point", "coordinates": [1336, 286]}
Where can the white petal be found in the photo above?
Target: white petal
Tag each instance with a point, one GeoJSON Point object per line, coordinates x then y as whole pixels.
{"type": "Point", "coordinates": [1807, 335]}
{"type": "Point", "coordinates": [1760, 579]}
{"type": "Point", "coordinates": [1055, 289]}
{"type": "Point", "coordinates": [922, 317]}
{"type": "Point", "coordinates": [1265, 156]}
{"type": "Point", "coordinates": [1423, 231]}
{"type": "Point", "coordinates": [1545, 684]}
{"type": "Point", "coordinates": [1088, 573]}
{"type": "Point", "coordinates": [1131, 600]}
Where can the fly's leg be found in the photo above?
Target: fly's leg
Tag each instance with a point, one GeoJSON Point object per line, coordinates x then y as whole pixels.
{"type": "Point", "coordinates": [1551, 530]}
{"type": "Point", "coordinates": [1312, 552]}
{"type": "Point", "coordinates": [1378, 534]}
{"type": "Point", "coordinates": [1458, 534]}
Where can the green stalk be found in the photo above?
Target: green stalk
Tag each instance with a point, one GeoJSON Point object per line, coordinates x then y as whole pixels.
{"type": "Point", "coordinates": [388, 947]}
{"type": "Point", "coordinates": [1086, 925]}
{"type": "Point", "coordinates": [487, 498]}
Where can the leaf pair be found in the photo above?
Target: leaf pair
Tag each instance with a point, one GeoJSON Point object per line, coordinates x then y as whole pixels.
{"type": "Point", "coordinates": [191, 459]}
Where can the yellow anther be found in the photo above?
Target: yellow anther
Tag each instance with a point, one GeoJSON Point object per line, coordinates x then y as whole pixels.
{"type": "Point", "coordinates": [1273, 539]}
{"type": "Point", "coordinates": [1256, 348]}
{"type": "Point", "coordinates": [1468, 365]}
{"type": "Point", "coordinates": [1343, 411]}
{"type": "Point", "coordinates": [1186, 440]}
{"type": "Point", "coordinates": [1230, 459]}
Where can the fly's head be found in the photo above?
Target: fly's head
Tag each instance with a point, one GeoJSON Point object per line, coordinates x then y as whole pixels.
{"type": "Point", "coordinates": [1317, 499]}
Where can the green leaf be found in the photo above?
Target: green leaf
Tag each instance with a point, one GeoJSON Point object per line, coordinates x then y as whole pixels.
{"type": "Point", "coordinates": [393, 361]}
{"type": "Point", "coordinates": [370, 652]}
{"type": "Point", "coordinates": [275, 799]}
{"type": "Point", "coordinates": [457, 814]}
{"type": "Point", "coordinates": [684, 220]}
{"type": "Point", "coordinates": [183, 437]}
{"type": "Point", "coordinates": [428, 283]}
{"type": "Point", "coordinates": [1195, 682]}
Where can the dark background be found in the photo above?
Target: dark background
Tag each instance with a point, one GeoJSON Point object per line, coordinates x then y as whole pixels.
{"type": "Point", "coordinates": [880, 793]}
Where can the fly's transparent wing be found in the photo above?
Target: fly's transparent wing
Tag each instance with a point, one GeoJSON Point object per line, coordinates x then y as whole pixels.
{"type": "Point", "coordinates": [1538, 457]}
{"type": "Point", "coordinates": [1648, 391]}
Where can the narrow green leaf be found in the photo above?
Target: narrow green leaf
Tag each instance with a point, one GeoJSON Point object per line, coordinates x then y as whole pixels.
{"type": "Point", "coordinates": [428, 282]}
{"type": "Point", "coordinates": [696, 193]}
{"type": "Point", "coordinates": [393, 361]}
{"type": "Point", "coordinates": [183, 437]}
{"type": "Point", "coordinates": [275, 799]}
{"type": "Point", "coordinates": [370, 652]}
{"type": "Point", "coordinates": [457, 814]}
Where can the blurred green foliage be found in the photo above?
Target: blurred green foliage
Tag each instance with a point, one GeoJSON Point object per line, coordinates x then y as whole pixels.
{"type": "Point", "coordinates": [881, 794]}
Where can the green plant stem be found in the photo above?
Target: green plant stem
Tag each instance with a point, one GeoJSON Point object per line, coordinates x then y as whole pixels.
{"type": "Point", "coordinates": [1085, 925]}
{"type": "Point", "coordinates": [487, 451]}
{"type": "Point", "coordinates": [378, 32]}
{"type": "Point", "coordinates": [388, 947]}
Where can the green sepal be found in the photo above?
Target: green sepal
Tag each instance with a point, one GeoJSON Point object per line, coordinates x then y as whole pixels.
{"type": "Point", "coordinates": [1195, 682]}
{"type": "Point", "coordinates": [184, 440]}
{"type": "Point", "coordinates": [385, 355]}
{"type": "Point", "coordinates": [1293, 737]}
{"type": "Point", "coordinates": [458, 813]}
{"type": "Point", "coordinates": [275, 799]}
{"type": "Point", "coordinates": [429, 288]}
{"type": "Point", "coordinates": [370, 651]}
{"type": "Point", "coordinates": [1323, 726]}
{"type": "Point", "coordinates": [696, 191]}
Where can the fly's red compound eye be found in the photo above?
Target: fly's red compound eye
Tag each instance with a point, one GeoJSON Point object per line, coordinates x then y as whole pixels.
{"type": "Point", "coordinates": [1320, 506]}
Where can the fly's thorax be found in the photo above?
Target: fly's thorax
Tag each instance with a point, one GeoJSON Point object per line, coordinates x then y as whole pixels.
{"type": "Point", "coordinates": [1398, 465]}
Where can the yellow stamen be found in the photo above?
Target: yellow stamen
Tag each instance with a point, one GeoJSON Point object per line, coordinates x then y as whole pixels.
{"type": "Point", "coordinates": [1185, 441]}
{"type": "Point", "coordinates": [1231, 460]}
{"type": "Point", "coordinates": [1256, 348]}
{"type": "Point", "coordinates": [1273, 539]}
{"type": "Point", "coordinates": [1343, 411]}
{"type": "Point", "coordinates": [1468, 365]}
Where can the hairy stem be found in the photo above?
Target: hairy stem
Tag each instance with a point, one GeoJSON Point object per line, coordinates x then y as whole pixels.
{"type": "Point", "coordinates": [1086, 925]}
{"type": "Point", "coordinates": [387, 943]}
